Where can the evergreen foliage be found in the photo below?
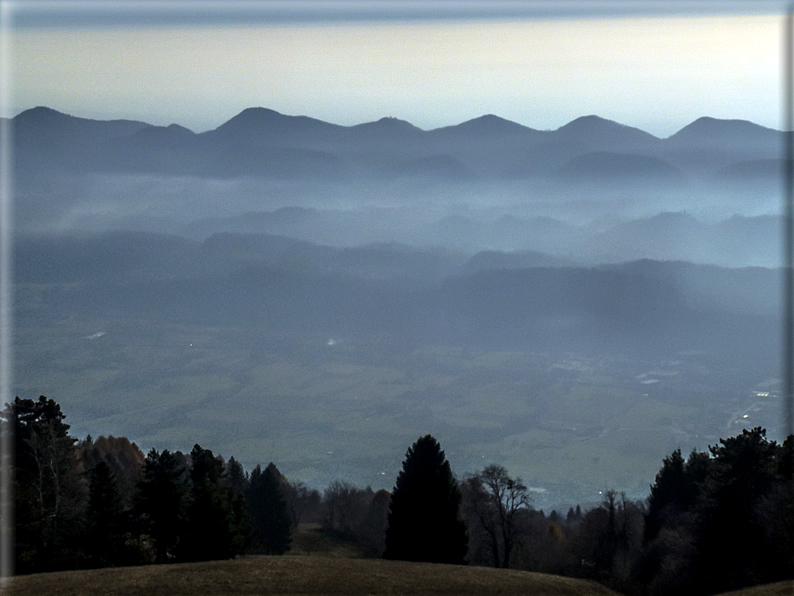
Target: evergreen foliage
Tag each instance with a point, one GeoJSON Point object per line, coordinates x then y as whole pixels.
{"type": "Point", "coordinates": [214, 518]}
{"type": "Point", "coordinates": [161, 503]}
{"type": "Point", "coordinates": [717, 521]}
{"type": "Point", "coordinates": [49, 495]}
{"type": "Point", "coordinates": [269, 510]}
{"type": "Point", "coordinates": [107, 519]}
{"type": "Point", "coordinates": [235, 477]}
{"type": "Point", "coordinates": [675, 491]}
{"type": "Point", "coordinates": [716, 530]}
{"type": "Point", "coordinates": [424, 518]}
{"type": "Point", "coordinates": [731, 548]}
{"type": "Point", "coordinates": [125, 460]}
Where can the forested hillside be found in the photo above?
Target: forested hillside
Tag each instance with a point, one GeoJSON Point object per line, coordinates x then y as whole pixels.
{"type": "Point", "coordinates": [713, 521]}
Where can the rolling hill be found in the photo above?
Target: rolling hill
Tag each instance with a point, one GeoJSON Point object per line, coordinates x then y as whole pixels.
{"type": "Point", "coordinates": [261, 575]}
{"type": "Point", "coordinates": [301, 575]}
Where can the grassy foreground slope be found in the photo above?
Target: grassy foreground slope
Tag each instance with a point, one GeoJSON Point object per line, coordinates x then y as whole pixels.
{"type": "Point", "coordinates": [299, 575]}
{"type": "Point", "coordinates": [784, 588]}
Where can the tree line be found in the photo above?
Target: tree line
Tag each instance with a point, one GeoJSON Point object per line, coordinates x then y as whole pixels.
{"type": "Point", "coordinates": [714, 521]}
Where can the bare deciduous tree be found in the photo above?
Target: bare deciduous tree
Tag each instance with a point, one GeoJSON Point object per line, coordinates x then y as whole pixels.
{"type": "Point", "coordinates": [497, 502]}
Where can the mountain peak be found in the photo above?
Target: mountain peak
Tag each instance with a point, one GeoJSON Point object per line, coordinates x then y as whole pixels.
{"type": "Point", "coordinates": [253, 116]}
{"type": "Point", "coordinates": [387, 123]}
{"type": "Point", "coordinates": [723, 130]}
{"type": "Point", "coordinates": [595, 128]}
{"type": "Point", "coordinates": [592, 122]}
{"type": "Point", "coordinates": [41, 112]}
{"type": "Point", "coordinates": [44, 116]}
{"type": "Point", "coordinates": [178, 128]}
{"type": "Point", "coordinates": [257, 121]}
{"type": "Point", "coordinates": [392, 120]}
{"type": "Point", "coordinates": [488, 124]}
{"type": "Point", "coordinates": [50, 121]}
{"type": "Point", "coordinates": [589, 120]}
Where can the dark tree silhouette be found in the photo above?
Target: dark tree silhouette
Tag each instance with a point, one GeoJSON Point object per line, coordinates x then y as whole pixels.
{"type": "Point", "coordinates": [497, 501]}
{"type": "Point", "coordinates": [373, 527]}
{"type": "Point", "coordinates": [49, 497]}
{"type": "Point", "coordinates": [124, 458]}
{"type": "Point", "coordinates": [213, 530]}
{"type": "Point", "coordinates": [235, 476]}
{"type": "Point", "coordinates": [670, 496]}
{"type": "Point", "coordinates": [269, 510]}
{"type": "Point", "coordinates": [424, 517]}
{"type": "Point", "coordinates": [732, 551]}
{"type": "Point", "coordinates": [302, 500]}
{"type": "Point", "coordinates": [106, 518]}
{"type": "Point", "coordinates": [160, 505]}
{"type": "Point", "coordinates": [345, 507]}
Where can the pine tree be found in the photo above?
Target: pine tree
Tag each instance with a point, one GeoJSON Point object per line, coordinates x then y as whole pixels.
{"type": "Point", "coordinates": [732, 552]}
{"type": "Point", "coordinates": [424, 517]}
{"type": "Point", "coordinates": [124, 458]}
{"type": "Point", "coordinates": [235, 476]}
{"type": "Point", "coordinates": [106, 518]}
{"type": "Point", "coordinates": [49, 497]}
{"type": "Point", "coordinates": [269, 510]}
{"type": "Point", "coordinates": [211, 525]}
{"type": "Point", "coordinates": [160, 504]}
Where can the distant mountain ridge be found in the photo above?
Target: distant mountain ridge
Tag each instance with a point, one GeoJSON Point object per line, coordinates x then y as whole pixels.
{"type": "Point", "coordinates": [263, 142]}
{"type": "Point", "coordinates": [58, 158]}
{"type": "Point", "coordinates": [266, 117]}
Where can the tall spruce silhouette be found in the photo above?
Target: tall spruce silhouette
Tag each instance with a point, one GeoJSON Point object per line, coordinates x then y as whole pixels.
{"type": "Point", "coordinates": [161, 502]}
{"type": "Point", "coordinates": [424, 517]}
{"type": "Point", "coordinates": [269, 510]}
{"type": "Point", "coordinates": [105, 523]}
{"type": "Point", "coordinates": [48, 494]}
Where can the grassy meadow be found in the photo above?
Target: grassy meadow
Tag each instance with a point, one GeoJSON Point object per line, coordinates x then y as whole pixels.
{"type": "Point", "coordinates": [260, 575]}
{"type": "Point", "coordinates": [300, 574]}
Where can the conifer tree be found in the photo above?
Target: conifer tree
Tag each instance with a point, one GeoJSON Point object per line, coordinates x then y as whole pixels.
{"type": "Point", "coordinates": [124, 458]}
{"type": "Point", "coordinates": [269, 510]}
{"type": "Point", "coordinates": [732, 552]}
{"type": "Point", "coordinates": [424, 517]}
{"type": "Point", "coordinates": [106, 518]}
{"type": "Point", "coordinates": [235, 476]}
{"type": "Point", "coordinates": [49, 497]}
{"type": "Point", "coordinates": [160, 504]}
{"type": "Point", "coordinates": [211, 523]}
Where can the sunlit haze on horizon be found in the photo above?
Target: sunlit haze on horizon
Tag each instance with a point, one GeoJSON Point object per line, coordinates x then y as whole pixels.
{"type": "Point", "coordinates": [655, 72]}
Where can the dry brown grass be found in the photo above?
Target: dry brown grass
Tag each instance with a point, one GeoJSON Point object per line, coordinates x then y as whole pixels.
{"type": "Point", "coordinates": [299, 575]}
{"type": "Point", "coordinates": [785, 588]}
{"type": "Point", "coordinates": [310, 540]}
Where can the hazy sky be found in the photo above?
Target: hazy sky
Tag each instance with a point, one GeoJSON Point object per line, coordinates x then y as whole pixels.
{"type": "Point", "coordinates": [655, 65]}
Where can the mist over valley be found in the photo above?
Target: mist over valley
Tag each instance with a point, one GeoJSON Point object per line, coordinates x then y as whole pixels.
{"type": "Point", "coordinates": [573, 304]}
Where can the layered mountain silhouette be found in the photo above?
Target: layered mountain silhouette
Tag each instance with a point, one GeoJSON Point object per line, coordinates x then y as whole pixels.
{"type": "Point", "coordinates": [392, 290]}
{"type": "Point", "coordinates": [264, 143]}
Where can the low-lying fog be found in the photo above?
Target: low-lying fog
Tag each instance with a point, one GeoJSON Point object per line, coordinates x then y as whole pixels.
{"type": "Point", "coordinates": [733, 227]}
{"type": "Point", "coordinates": [572, 304]}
